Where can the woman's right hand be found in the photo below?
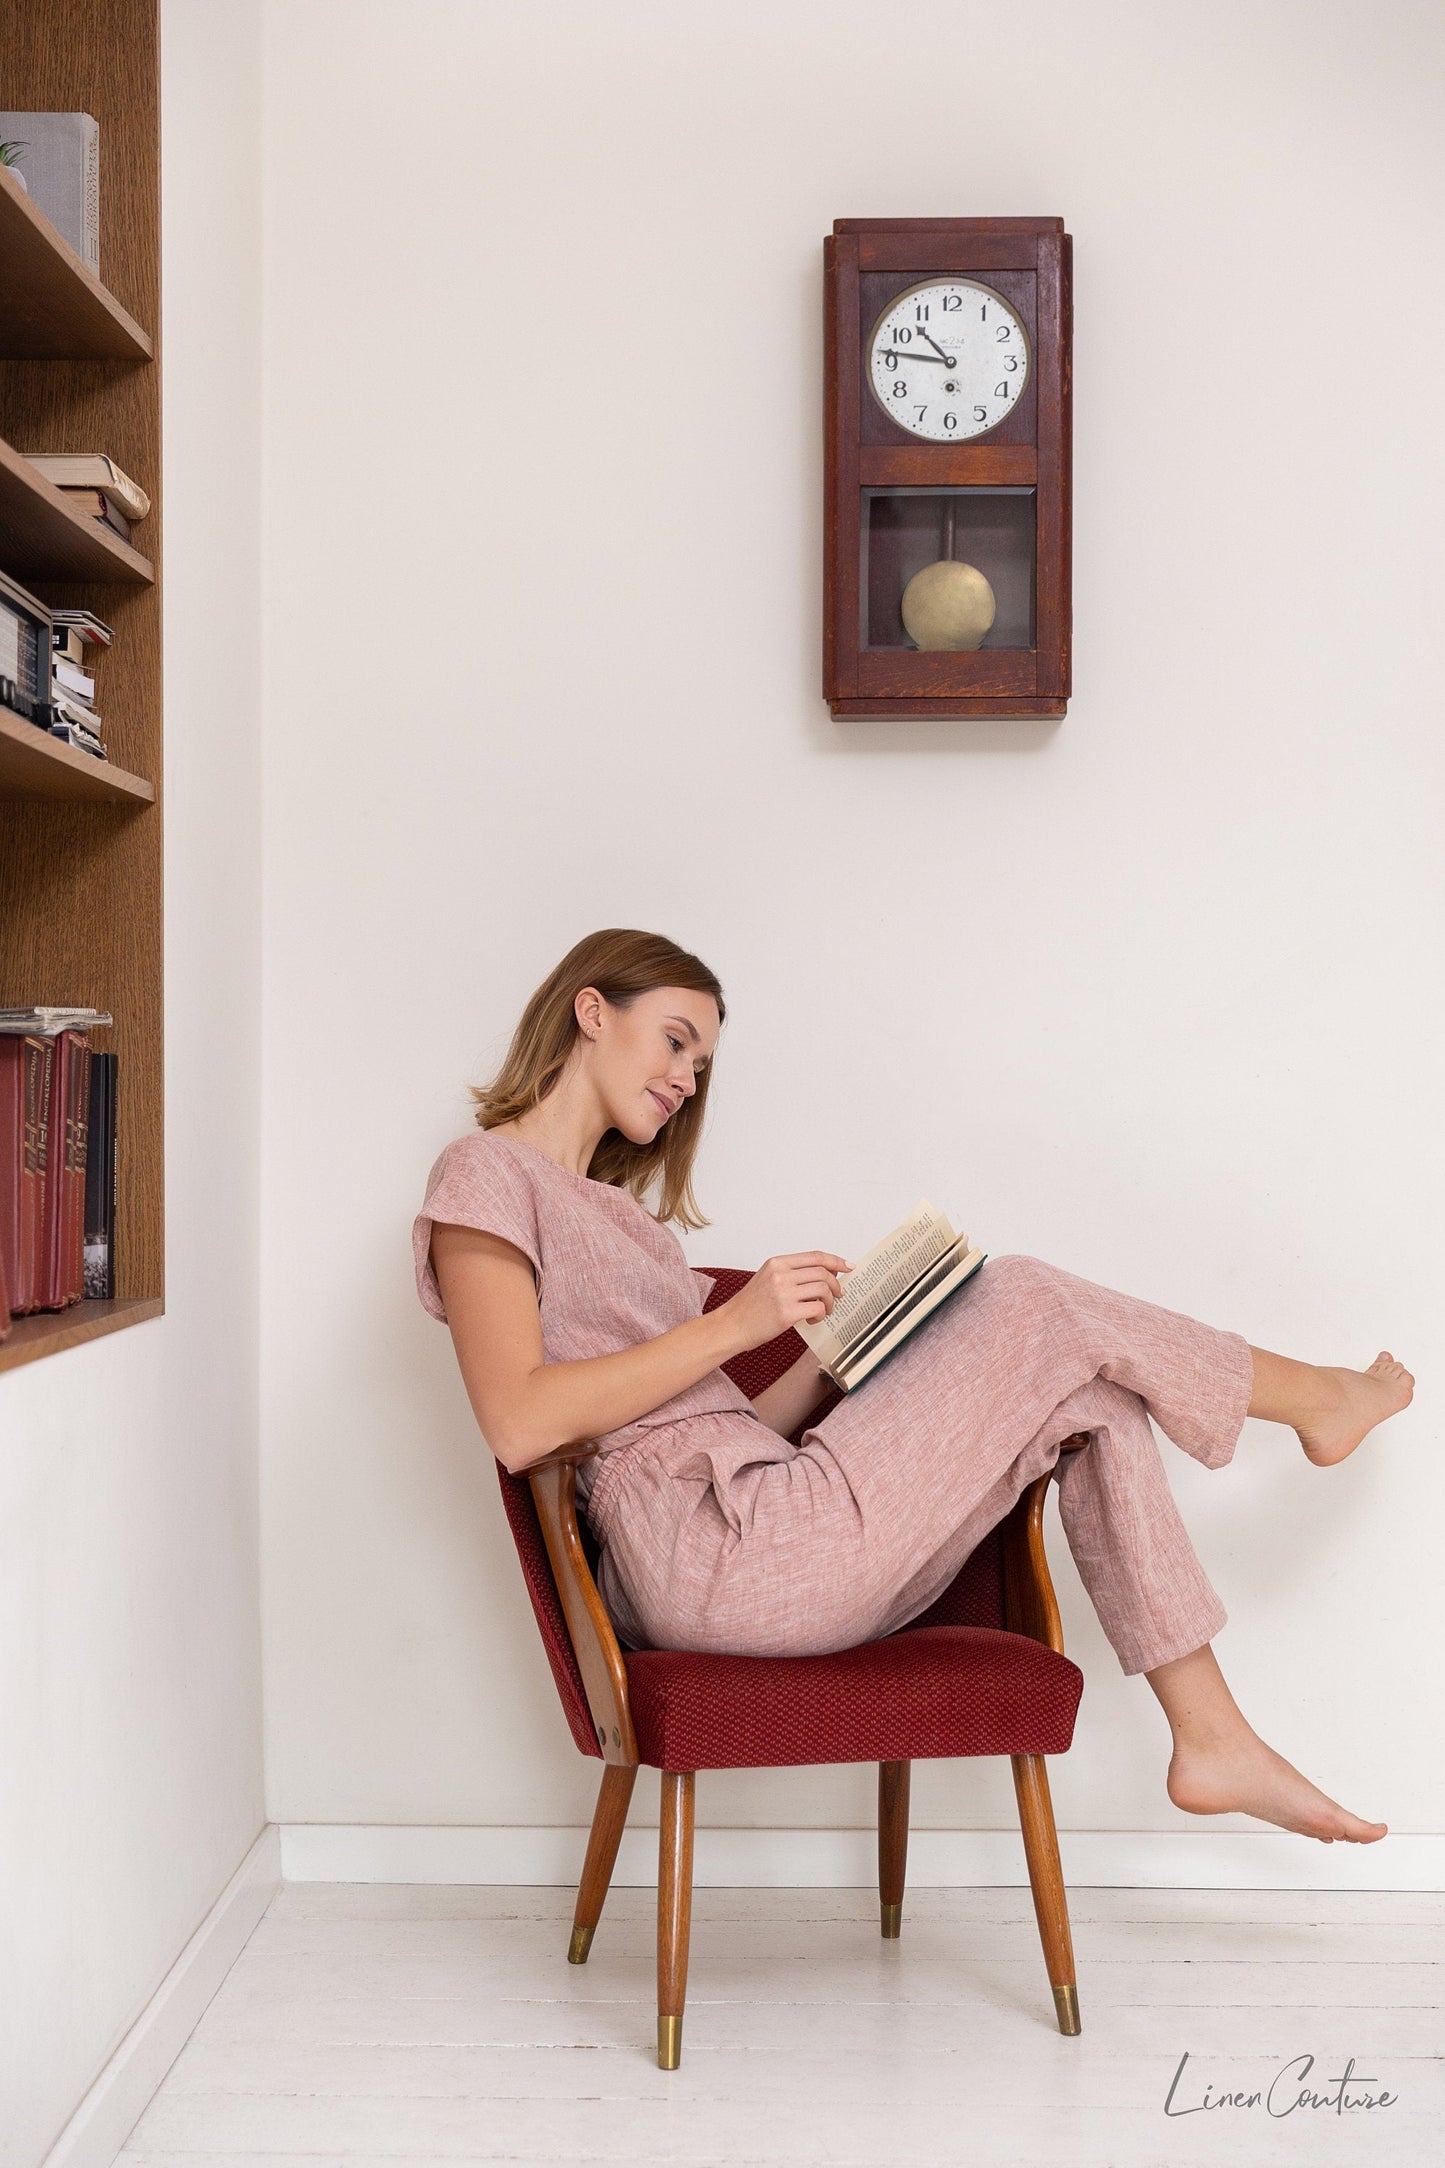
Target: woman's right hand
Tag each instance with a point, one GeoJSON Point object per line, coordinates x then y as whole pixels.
{"type": "Point", "coordinates": [784, 1291]}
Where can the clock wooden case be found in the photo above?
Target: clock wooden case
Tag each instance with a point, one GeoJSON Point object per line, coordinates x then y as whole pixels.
{"type": "Point", "coordinates": [947, 454]}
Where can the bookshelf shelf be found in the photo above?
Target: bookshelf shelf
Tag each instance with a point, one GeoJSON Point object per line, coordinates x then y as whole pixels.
{"type": "Point", "coordinates": [51, 307]}
{"type": "Point", "coordinates": [45, 1332]}
{"type": "Point", "coordinates": [81, 865]}
{"type": "Point", "coordinates": [35, 765]}
{"type": "Point", "coordinates": [42, 538]}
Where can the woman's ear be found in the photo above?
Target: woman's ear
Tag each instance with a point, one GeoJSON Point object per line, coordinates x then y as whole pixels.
{"type": "Point", "coordinates": [587, 1009]}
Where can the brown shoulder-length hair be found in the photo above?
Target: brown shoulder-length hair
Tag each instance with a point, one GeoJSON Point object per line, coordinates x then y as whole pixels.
{"type": "Point", "coordinates": [621, 963]}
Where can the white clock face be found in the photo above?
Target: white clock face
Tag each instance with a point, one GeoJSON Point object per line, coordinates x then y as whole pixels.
{"type": "Point", "coordinates": [948, 359]}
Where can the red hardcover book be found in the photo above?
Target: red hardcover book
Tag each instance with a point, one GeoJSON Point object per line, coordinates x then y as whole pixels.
{"type": "Point", "coordinates": [75, 1232]}
{"type": "Point", "coordinates": [63, 1224]}
{"type": "Point", "coordinates": [25, 1072]}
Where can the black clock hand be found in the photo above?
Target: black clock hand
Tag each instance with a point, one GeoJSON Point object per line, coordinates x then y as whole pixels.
{"type": "Point", "coordinates": [935, 361]}
{"type": "Point", "coordinates": [947, 358]}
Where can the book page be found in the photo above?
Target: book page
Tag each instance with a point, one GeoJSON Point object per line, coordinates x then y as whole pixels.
{"type": "Point", "coordinates": [917, 1293]}
{"type": "Point", "coordinates": [861, 1362]}
{"type": "Point", "coordinates": [880, 1276]}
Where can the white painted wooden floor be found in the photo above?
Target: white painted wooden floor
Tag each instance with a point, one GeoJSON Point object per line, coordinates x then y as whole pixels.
{"type": "Point", "coordinates": [372, 2023]}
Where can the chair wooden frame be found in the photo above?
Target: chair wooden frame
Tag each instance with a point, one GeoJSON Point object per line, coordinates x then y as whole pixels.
{"type": "Point", "coordinates": [1030, 1607]}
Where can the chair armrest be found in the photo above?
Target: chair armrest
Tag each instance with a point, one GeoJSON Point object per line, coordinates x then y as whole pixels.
{"type": "Point", "coordinates": [1030, 1605]}
{"type": "Point", "coordinates": [563, 1456]}
{"type": "Point", "coordinates": [599, 1656]}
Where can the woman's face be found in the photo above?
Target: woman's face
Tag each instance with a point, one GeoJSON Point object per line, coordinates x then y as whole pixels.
{"type": "Point", "coordinates": [644, 1060]}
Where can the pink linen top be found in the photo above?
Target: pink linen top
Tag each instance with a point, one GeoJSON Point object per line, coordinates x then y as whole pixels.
{"type": "Point", "coordinates": [608, 1275]}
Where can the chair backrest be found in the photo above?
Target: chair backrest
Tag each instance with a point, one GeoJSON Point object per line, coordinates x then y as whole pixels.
{"type": "Point", "coordinates": [974, 1598]}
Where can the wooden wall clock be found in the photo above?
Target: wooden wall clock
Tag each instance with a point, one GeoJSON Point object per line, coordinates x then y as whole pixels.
{"type": "Point", "coordinates": [947, 461]}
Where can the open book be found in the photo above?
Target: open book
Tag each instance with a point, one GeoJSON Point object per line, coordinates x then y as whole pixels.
{"type": "Point", "coordinates": [890, 1291]}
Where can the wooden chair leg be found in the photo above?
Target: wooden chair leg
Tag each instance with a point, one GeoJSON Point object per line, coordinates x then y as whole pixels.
{"type": "Point", "coordinates": [674, 1912]}
{"type": "Point", "coordinates": [892, 1843]}
{"type": "Point", "coordinates": [608, 1819]}
{"type": "Point", "coordinates": [1046, 1877]}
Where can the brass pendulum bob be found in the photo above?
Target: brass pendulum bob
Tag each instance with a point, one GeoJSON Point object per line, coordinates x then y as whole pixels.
{"type": "Point", "coordinates": [948, 605]}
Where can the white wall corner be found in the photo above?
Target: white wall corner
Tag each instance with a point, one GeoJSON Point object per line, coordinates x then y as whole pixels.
{"type": "Point", "coordinates": [122, 2092]}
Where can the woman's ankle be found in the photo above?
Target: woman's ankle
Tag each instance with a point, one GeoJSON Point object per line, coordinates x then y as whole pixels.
{"type": "Point", "coordinates": [1286, 1391]}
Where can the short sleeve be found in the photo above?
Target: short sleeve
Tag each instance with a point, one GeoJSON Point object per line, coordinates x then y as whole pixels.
{"type": "Point", "coordinates": [474, 1184]}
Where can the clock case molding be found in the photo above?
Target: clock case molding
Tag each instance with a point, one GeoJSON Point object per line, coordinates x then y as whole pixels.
{"type": "Point", "coordinates": [1012, 483]}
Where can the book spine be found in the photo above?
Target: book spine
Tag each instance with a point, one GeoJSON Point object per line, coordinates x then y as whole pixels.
{"type": "Point", "coordinates": [12, 1154]}
{"type": "Point", "coordinates": [38, 1070]}
{"type": "Point", "coordinates": [77, 1240]}
{"type": "Point", "coordinates": [56, 1146]}
{"type": "Point", "coordinates": [98, 1282]}
{"type": "Point", "coordinates": [90, 252]}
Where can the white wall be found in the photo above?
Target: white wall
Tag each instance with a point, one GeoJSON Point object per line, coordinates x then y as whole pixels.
{"type": "Point", "coordinates": [1152, 992]}
{"type": "Point", "coordinates": [130, 1771]}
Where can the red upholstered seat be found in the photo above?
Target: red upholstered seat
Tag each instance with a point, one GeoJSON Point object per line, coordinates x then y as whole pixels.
{"type": "Point", "coordinates": [941, 1690]}
{"type": "Point", "coordinates": [953, 1682]}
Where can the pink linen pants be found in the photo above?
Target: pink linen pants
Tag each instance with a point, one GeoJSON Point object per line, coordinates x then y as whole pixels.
{"type": "Point", "coordinates": [720, 1535]}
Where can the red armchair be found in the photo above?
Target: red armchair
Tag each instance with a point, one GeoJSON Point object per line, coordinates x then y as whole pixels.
{"type": "Point", "coordinates": [981, 1672]}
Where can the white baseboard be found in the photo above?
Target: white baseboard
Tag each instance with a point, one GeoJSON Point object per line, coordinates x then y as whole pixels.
{"type": "Point", "coordinates": [113, 2106]}
{"type": "Point", "coordinates": [847, 1858]}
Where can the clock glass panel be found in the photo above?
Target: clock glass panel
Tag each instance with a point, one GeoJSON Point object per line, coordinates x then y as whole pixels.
{"type": "Point", "coordinates": [948, 359]}
{"type": "Point", "coordinates": [912, 533]}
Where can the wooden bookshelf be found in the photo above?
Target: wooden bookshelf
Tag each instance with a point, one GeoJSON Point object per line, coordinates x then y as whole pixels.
{"type": "Point", "coordinates": [41, 538]}
{"type": "Point", "coordinates": [51, 307]}
{"type": "Point", "coordinates": [80, 838]}
{"type": "Point", "coordinates": [35, 765]}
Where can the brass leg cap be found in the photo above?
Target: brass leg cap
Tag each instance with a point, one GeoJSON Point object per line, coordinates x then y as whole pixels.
{"type": "Point", "coordinates": [581, 1943]}
{"type": "Point", "coordinates": [892, 1922]}
{"type": "Point", "coordinates": [669, 2042]}
{"type": "Point", "coordinates": [1066, 2002]}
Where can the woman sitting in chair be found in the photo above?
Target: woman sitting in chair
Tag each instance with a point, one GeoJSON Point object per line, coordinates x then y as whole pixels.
{"type": "Point", "coordinates": [575, 1316]}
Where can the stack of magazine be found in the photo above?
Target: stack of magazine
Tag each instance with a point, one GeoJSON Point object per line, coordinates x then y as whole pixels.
{"type": "Point", "coordinates": [888, 1294]}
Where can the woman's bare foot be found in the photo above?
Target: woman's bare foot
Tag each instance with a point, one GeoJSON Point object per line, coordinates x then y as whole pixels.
{"type": "Point", "coordinates": [1222, 1766]}
{"type": "Point", "coordinates": [1362, 1398]}
{"type": "Point", "coordinates": [1244, 1776]}
{"type": "Point", "coordinates": [1330, 1410]}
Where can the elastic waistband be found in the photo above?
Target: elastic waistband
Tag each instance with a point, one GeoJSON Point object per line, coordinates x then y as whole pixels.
{"type": "Point", "coordinates": [601, 1500]}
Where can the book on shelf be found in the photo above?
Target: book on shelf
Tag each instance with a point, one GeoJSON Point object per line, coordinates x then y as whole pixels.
{"type": "Point", "coordinates": [25, 1073]}
{"type": "Point", "coordinates": [57, 161]}
{"type": "Point", "coordinates": [79, 684]}
{"type": "Point", "coordinates": [57, 1106]}
{"type": "Point", "coordinates": [95, 504]}
{"type": "Point", "coordinates": [62, 1219]}
{"type": "Point", "coordinates": [98, 1261]}
{"type": "Point", "coordinates": [72, 689]}
{"type": "Point", "coordinates": [73, 631]}
{"type": "Point", "coordinates": [76, 723]}
{"type": "Point", "coordinates": [93, 471]}
{"type": "Point", "coordinates": [58, 697]}
{"type": "Point", "coordinates": [52, 1019]}
{"type": "Point", "coordinates": [25, 635]}
{"type": "Point", "coordinates": [891, 1290]}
